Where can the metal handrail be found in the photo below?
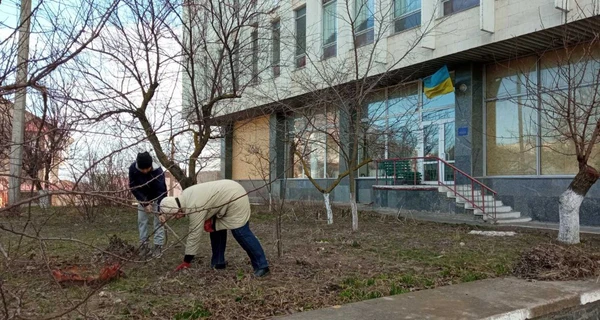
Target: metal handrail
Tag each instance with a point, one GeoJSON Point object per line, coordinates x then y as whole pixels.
{"type": "Point", "coordinates": [440, 182]}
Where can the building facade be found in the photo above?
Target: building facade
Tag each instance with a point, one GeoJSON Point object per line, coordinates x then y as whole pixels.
{"type": "Point", "coordinates": [514, 64]}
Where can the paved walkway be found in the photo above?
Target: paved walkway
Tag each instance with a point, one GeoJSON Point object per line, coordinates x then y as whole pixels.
{"type": "Point", "coordinates": [493, 299]}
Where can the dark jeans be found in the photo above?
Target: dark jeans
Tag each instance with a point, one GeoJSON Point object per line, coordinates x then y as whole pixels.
{"type": "Point", "coordinates": [246, 239]}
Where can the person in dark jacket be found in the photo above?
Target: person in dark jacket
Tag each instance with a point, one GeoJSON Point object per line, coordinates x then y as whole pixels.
{"type": "Point", "coordinates": [147, 183]}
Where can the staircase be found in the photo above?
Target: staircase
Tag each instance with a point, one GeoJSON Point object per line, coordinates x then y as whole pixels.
{"type": "Point", "coordinates": [504, 214]}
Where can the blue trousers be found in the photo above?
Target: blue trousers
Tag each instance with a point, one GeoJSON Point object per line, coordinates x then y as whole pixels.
{"type": "Point", "coordinates": [144, 221]}
{"type": "Point", "coordinates": [246, 239]}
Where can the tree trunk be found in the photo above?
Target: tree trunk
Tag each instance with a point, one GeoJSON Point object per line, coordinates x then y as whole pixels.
{"type": "Point", "coordinates": [278, 234]}
{"type": "Point", "coordinates": [328, 208]}
{"type": "Point", "coordinates": [354, 209]}
{"type": "Point", "coordinates": [570, 202]}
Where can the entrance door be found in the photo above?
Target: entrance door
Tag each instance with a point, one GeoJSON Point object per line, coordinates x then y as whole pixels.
{"type": "Point", "coordinates": [438, 141]}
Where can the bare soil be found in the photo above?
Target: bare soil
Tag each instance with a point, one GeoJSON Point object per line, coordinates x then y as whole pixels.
{"type": "Point", "coordinates": [322, 265]}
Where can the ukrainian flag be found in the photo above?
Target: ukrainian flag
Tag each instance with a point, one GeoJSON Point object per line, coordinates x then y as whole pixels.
{"type": "Point", "coordinates": [438, 83]}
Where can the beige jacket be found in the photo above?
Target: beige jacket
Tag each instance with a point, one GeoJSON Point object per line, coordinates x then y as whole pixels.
{"type": "Point", "coordinates": [226, 199]}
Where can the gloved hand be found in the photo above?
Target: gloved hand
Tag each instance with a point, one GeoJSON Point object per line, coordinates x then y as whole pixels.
{"type": "Point", "coordinates": [209, 225]}
{"type": "Point", "coordinates": [183, 265]}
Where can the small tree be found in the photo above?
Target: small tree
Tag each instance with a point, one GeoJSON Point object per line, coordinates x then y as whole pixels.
{"type": "Point", "coordinates": [570, 114]}
{"type": "Point", "coordinates": [566, 98]}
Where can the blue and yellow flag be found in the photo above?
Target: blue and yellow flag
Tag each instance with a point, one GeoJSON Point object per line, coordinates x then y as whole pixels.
{"type": "Point", "coordinates": [438, 83]}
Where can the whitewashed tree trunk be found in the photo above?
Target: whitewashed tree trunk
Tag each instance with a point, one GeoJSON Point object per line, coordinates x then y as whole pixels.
{"type": "Point", "coordinates": [570, 202]}
{"type": "Point", "coordinates": [328, 208]}
{"type": "Point", "coordinates": [568, 210]}
{"type": "Point", "coordinates": [270, 202]}
{"type": "Point", "coordinates": [354, 209]}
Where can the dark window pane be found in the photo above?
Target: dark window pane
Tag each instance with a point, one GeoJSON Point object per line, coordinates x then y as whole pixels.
{"type": "Point", "coordinates": [276, 48]}
{"type": "Point", "coordinates": [300, 61]}
{"type": "Point", "coordinates": [300, 31]}
{"type": "Point", "coordinates": [453, 6]}
{"type": "Point", "coordinates": [408, 22]}
{"type": "Point", "coordinates": [330, 51]}
{"type": "Point", "coordinates": [365, 38]}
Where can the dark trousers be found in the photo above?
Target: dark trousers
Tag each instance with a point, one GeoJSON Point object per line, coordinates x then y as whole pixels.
{"type": "Point", "coordinates": [246, 239]}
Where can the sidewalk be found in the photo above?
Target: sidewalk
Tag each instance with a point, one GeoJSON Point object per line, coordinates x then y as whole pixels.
{"type": "Point", "coordinates": [493, 299]}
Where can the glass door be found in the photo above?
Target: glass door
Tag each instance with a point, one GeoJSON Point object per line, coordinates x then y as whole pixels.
{"type": "Point", "coordinates": [438, 142]}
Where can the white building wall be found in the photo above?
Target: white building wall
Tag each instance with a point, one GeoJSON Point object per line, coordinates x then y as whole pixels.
{"type": "Point", "coordinates": [447, 35]}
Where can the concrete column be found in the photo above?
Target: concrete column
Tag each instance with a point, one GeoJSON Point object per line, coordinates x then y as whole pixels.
{"type": "Point", "coordinates": [227, 152]}
{"type": "Point", "coordinates": [477, 119]}
{"type": "Point", "coordinates": [469, 120]}
{"type": "Point", "coordinates": [463, 131]}
{"type": "Point", "coordinates": [277, 152]}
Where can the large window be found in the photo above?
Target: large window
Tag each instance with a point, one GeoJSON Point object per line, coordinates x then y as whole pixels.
{"type": "Point", "coordinates": [528, 102]}
{"type": "Point", "coordinates": [407, 14]}
{"type": "Point", "coordinates": [391, 128]}
{"type": "Point", "coordinates": [316, 139]}
{"type": "Point", "coordinates": [364, 30]}
{"type": "Point", "coordinates": [511, 118]}
{"type": "Point", "coordinates": [453, 6]}
{"type": "Point", "coordinates": [329, 29]}
{"type": "Point", "coordinates": [276, 48]}
{"type": "Point", "coordinates": [300, 37]}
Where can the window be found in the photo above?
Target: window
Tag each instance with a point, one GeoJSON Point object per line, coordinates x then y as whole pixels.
{"type": "Point", "coordinates": [407, 14]}
{"type": "Point", "coordinates": [315, 138]}
{"type": "Point", "coordinates": [453, 6]}
{"type": "Point", "coordinates": [391, 129]}
{"type": "Point", "coordinates": [254, 39]}
{"type": "Point", "coordinates": [329, 29]}
{"type": "Point", "coordinates": [364, 32]}
{"type": "Point", "coordinates": [512, 125]}
{"type": "Point", "coordinates": [300, 37]}
{"type": "Point", "coordinates": [276, 48]}
{"type": "Point", "coordinates": [526, 101]}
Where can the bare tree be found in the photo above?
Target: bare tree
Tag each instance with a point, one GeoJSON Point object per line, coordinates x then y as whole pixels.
{"type": "Point", "coordinates": [340, 111]}
{"type": "Point", "coordinates": [561, 107]}
{"type": "Point", "coordinates": [570, 123]}
{"type": "Point", "coordinates": [211, 42]}
{"type": "Point", "coordinates": [60, 30]}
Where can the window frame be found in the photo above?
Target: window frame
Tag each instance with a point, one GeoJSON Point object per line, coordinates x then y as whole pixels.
{"type": "Point", "coordinates": [537, 100]}
{"type": "Point", "coordinates": [254, 48]}
{"type": "Point", "coordinates": [300, 58]}
{"type": "Point", "coordinates": [444, 2]}
{"type": "Point", "coordinates": [329, 50]}
{"type": "Point", "coordinates": [366, 36]}
{"type": "Point", "coordinates": [276, 43]}
{"type": "Point", "coordinates": [406, 15]}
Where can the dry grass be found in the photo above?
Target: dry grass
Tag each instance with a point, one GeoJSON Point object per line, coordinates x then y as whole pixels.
{"type": "Point", "coordinates": [322, 266]}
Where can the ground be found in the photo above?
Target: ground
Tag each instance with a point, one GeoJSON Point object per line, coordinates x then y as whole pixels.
{"type": "Point", "coordinates": [322, 265]}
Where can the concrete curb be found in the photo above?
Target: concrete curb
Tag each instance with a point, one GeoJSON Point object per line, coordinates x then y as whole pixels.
{"type": "Point", "coordinates": [492, 299]}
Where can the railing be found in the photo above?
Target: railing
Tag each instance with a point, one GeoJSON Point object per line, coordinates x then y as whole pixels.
{"type": "Point", "coordinates": [406, 171]}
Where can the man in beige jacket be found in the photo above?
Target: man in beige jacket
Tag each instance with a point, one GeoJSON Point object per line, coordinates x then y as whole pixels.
{"type": "Point", "coordinates": [216, 207]}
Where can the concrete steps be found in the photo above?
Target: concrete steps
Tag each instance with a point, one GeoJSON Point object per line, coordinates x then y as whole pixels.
{"type": "Point", "coordinates": [504, 214]}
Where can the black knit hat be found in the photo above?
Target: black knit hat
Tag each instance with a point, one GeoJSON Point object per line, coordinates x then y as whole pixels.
{"type": "Point", "coordinates": [144, 160]}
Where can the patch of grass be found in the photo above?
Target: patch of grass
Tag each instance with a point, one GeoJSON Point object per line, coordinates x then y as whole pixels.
{"type": "Point", "coordinates": [470, 276]}
{"type": "Point", "coordinates": [394, 290]}
{"type": "Point", "coordinates": [385, 257]}
{"type": "Point", "coordinates": [197, 312]}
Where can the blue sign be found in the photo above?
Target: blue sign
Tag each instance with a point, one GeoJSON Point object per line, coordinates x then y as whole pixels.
{"type": "Point", "coordinates": [463, 131]}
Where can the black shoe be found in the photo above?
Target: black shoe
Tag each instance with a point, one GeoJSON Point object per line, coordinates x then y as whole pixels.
{"type": "Point", "coordinates": [219, 266]}
{"type": "Point", "coordinates": [262, 272]}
